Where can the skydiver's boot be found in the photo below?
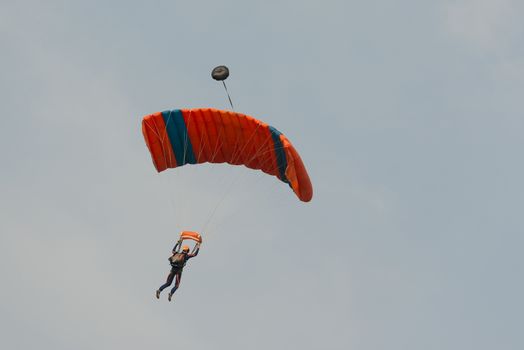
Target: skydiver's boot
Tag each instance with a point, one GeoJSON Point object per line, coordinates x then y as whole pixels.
{"type": "Point", "coordinates": [169, 296]}
{"type": "Point", "coordinates": [158, 294]}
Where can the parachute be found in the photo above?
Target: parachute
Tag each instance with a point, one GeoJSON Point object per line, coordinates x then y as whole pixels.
{"type": "Point", "coordinates": [220, 73]}
{"type": "Point", "coordinates": [194, 136]}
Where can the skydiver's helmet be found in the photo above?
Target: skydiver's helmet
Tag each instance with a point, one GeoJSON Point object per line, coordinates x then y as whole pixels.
{"type": "Point", "coordinates": [185, 249]}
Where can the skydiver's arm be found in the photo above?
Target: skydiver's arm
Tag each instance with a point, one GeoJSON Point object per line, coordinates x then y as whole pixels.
{"type": "Point", "coordinates": [196, 253]}
{"type": "Point", "coordinates": [177, 245]}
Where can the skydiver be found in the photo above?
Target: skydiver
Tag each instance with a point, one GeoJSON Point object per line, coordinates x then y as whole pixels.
{"type": "Point", "coordinates": [178, 260]}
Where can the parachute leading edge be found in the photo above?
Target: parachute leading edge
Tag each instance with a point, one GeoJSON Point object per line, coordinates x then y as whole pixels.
{"type": "Point", "coordinates": [194, 136]}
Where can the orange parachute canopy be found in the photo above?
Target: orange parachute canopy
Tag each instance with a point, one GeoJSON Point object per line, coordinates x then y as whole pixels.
{"type": "Point", "coordinates": [194, 136]}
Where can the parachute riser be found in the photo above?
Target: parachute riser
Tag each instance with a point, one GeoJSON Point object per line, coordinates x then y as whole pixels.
{"type": "Point", "coordinates": [229, 97]}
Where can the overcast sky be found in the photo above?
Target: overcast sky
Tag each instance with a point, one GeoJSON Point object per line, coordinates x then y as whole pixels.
{"type": "Point", "coordinates": [408, 115]}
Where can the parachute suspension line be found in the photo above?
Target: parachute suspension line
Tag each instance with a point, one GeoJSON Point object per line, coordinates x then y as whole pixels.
{"type": "Point", "coordinates": [162, 138]}
{"type": "Point", "coordinates": [157, 134]}
{"type": "Point", "coordinates": [217, 148]}
{"type": "Point", "coordinates": [228, 96]}
{"type": "Point", "coordinates": [221, 73]}
{"type": "Point", "coordinates": [235, 156]}
{"type": "Point", "coordinates": [247, 143]}
{"type": "Point", "coordinates": [237, 152]}
{"type": "Point", "coordinates": [204, 229]}
{"type": "Point", "coordinates": [202, 144]}
{"type": "Point", "coordinates": [246, 181]}
{"type": "Point", "coordinates": [259, 151]}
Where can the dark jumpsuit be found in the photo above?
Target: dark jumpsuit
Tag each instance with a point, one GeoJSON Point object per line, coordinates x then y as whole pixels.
{"type": "Point", "coordinates": [176, 271]}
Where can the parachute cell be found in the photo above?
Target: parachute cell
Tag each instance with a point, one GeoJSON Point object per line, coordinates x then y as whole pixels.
{"type": "Point", "coordinates": [194, 136]}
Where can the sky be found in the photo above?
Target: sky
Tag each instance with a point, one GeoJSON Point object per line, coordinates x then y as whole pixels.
{"type": "Point", "coordinates": [408, 115]}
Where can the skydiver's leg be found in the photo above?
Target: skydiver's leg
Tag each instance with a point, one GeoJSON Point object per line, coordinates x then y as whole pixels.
{"type": "Point", "coordinates": [168, 281]}
{"type": "Point", "coordinates": [177, 282]}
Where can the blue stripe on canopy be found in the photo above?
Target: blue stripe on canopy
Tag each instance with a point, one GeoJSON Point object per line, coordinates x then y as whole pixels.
{"type": "Point", "coordinates": [178, 137]}
{"type": "Point", "coordinates": [279, 153]}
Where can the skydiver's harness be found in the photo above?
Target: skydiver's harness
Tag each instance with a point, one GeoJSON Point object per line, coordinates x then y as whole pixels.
{"type": "Point", "coordinates": [179, 259]}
